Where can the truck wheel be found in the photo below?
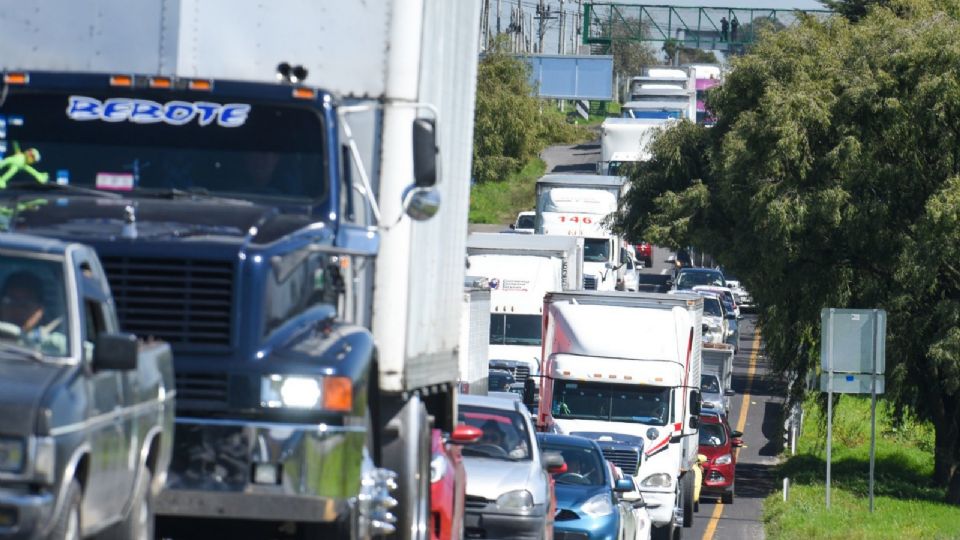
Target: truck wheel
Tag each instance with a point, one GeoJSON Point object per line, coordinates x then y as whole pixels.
{"type": "Point", "coordinates": [68, 522]}
{"type": "Point", "coordinates": [663, 533]}
{"type": "Point", "coordinates": [686, 492]}
{"type": "Point", "coordinates": [138, 525]}
{"type": "Point", "coordinates": [408, 454]}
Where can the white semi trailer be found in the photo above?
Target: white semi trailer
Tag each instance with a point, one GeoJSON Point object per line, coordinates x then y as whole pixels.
{"type": "Point", "coordinates": [629, 364]}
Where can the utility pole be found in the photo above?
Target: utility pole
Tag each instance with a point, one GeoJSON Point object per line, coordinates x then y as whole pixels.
{"type": "Point", "coordinates": [563, 18]}
{"type": "Point", "coordinates": [498, 17]}
{"type": "Point", "coordinates": [577, 35]}
{"type": "Point", "coordinates": [542, 14]}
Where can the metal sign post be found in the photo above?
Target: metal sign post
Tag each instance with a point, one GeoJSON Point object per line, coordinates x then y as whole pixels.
{"type": "Point", "coordinates": [852, 349]}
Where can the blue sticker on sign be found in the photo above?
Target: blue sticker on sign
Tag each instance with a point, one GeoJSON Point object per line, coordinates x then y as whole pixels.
{"type": "Point", "coordinates": [849, 378]}
{"type": "Point", "coordinates": [143, 111]}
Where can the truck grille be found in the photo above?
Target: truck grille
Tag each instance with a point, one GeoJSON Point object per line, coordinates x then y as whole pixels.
{"type": "Point", "coordinates": [204, 391]}
{"type": "Point", "coordinates": [590, 283]}
{"type": "Point", "coordinates": [627, 460]}
{"type": "Point", "coordinates": [183, 302]}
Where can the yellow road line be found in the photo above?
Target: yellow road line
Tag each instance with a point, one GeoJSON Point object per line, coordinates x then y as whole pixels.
{"type": "Point", "coordinates": [741, 423]}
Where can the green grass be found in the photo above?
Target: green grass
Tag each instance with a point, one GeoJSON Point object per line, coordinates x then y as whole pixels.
{"type": "Point", "coordinates": [906, 504]}
{"type": "Point", "coordinates": [499, 202]}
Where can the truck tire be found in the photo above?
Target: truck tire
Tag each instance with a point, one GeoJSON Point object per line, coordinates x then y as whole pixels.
{"type": "Point", "coordinates": [686, 494]}
{"type": "Point", "coordinates": [68, 522]}
{"type": "Point", "coordinates": [662, 533]}
{"type": "Point", "coordinates": [408, 454]}
{"type": "Point", "coordinates": [138, 525]}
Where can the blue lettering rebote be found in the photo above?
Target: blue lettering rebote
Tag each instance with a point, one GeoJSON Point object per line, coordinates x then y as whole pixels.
{"type": "Point", "coordinates": [143, 111]}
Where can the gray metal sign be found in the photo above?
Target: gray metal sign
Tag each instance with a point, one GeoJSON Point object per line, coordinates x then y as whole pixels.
{"type": "Point", "coordinates": [852, 339]}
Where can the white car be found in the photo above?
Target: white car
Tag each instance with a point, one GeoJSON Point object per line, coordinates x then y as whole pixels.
{"type": "Point", "coordinates": [727, 292]}
{"type": "Point", "coordinates": [641, 518]}
{"type": "Point", "coordinates": [713, 317]}
{"type": "Point", "coordinates": [631, 269]}
{"type": "Point", "coordinates": [508, 487]}
{"type": "Point", "coordinates": [524, 223]}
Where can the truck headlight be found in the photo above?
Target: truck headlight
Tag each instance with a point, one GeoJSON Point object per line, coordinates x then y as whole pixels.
{"type": "Point", "coordinates": [723, 460]}
{"type": "Point", "coordinates": [12, 454]}
{"type": "Point", "coordinates": [519, 499]}
{"type": "Point", "coordinates": [598, 505]}
{"type": "Point", "coordinates": [299, 392]}
{"type": "Point", "coordinates": [657, 480]}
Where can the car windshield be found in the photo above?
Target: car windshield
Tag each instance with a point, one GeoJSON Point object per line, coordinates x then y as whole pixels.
{"type": "Point", "coordinates": [711, 306]}
{"type": "Point", "coordinates": [689, 280]}
{"type": "Point", "coordinates": [709, 384]}
{"type": "Point", "coordinates": [33, 312]}
{"type": "Point", "coordinates": [504, 436]}
{"type": "Point", "coordinates": [162, 141]}
{"type": "Point", "coordinates": [596, 250]}
{"type": "Point", "coordinates": [712, 435]}
{"type": "Point", "coordinates": [515, 329]}
{"type": "Point", "coordinates": [611, 402]}
{"type": "Point", "coordinates": [525, 222]}
{"type": "Point", "coordinates": [584, 465]}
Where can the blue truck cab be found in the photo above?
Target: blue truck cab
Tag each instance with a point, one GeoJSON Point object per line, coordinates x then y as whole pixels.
{"type": "Point", "coordinates": [216, 208]}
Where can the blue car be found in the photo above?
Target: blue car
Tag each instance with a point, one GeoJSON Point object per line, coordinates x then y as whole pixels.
{"type": "Point", "coordinates": [588, 505]}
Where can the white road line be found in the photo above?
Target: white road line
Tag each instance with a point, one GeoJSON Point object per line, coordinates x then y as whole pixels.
{"type": "Point", "coordinates": [664, 271]}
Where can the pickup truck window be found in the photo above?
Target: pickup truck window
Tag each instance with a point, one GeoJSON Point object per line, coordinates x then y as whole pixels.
{"type": "Point", "coordinates": [33, 312]}
{"type": "Point", "coordinates": [611, 402]}
{"type": "Point", "coordinates": [259, 150]}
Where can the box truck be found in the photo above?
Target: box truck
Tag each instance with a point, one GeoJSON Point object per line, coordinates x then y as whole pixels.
{"type": "Point", "coordinates": [629, 363]}
{"type": "Point", "coordinates": [263, 186]}
{"type": "Point", "coordinates": [624, 141]}
{"type": "Point", "coordinates": [520, 270]}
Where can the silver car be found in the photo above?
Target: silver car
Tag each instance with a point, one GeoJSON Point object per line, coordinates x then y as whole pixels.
{"type": "Point", "coordinates": [508, 487]}
{"type": "Point", "coordinates": [713, 394]}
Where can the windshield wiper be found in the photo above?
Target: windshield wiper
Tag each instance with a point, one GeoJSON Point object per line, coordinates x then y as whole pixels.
{"type": "Point", "coordinates": [10, 348]}
{"type": "Point", "coordinates": [62, 188]}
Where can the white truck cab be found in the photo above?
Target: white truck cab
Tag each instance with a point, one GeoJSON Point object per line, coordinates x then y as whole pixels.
{"type": "Point", "coordinates": [629, 363]}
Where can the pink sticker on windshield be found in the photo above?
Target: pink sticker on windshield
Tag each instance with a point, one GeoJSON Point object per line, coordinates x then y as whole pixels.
{"type": "Point", "coordinates": [115, 181]}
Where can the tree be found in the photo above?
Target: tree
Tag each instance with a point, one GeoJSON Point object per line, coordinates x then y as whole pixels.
{"type": "Point", "coordinates": [832, 179]}
{"type": "Point", "coordinates": [507, 118]}
{"type": "Point", "coordinates": [674, 50]}
{"type": "Point", "coordinates": [853, 9]}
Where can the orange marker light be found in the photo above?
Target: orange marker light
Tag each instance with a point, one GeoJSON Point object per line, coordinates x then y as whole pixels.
{"type": "Point", "coordinates": [304, 93]}
{"type": "Point", "coordinates": [160, 82]}
{"type": "Point", "coordinates": [337, 393]}
{"type": "Point", "coordinates": [121, 80]}
{"type": "Point", "coordinates": [200, 85]}
{"type": "Point", "coordinates": [16, 78]}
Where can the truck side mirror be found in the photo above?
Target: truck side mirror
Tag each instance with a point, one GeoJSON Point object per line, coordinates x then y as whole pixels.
{"type": "Point", "coordinates": [695, 403]}
{"type": "Point", "coordinates": [424, 152]}
{"type": "Point", "coordinates": [529, 392]}
{"type": "Point", "coordinates": [729, 393]}
{"type": "Point", "coordinates": [115, 352]}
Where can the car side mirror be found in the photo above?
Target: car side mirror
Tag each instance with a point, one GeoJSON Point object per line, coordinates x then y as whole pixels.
{"type": "Point", "coordinates": [624, 485]}
{"type": "Point", "coordinates": [513, 227]}
{"type": "Point", "coordinates": [736, 434]}
{"type": "Point", "coordinates": [705, 328]}
{"type": "Point", "coordinates": [729, 393]}
{"type": "Point", "coordinates": [424, 152]}
{"type": "Point", "coordinates": [553, 462]}
{"type": "Point", "coordinates": [115, 352]}
{"type": "Point", "coordinates": [465, 434]}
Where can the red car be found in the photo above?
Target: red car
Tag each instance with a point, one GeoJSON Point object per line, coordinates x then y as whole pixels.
{"type": "Point", "coordinates": [717, 442]}
{"type": "Point", "coordinates": [645, 254]}
{"type": "Point", "coordinates": [448, 482]}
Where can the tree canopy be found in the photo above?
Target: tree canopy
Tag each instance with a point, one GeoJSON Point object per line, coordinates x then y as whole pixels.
{"type": "Point", "coordinates": [832, 179]}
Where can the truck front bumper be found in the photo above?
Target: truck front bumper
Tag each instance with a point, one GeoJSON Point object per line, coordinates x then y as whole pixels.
{"type": "Point", "coordinates": [262, 470]}
{"type": "Point", "coordinates": [25, 515]}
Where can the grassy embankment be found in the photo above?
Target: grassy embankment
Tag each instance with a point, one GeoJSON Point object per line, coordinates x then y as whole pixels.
{"type": "Point", "coordinates": [500, 201]}
{"type": "Point", "coordinates": [906, 504]}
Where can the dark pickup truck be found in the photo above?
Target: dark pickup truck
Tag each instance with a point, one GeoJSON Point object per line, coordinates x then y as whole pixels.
{"type": "Point", "coordinates": [86, 412]}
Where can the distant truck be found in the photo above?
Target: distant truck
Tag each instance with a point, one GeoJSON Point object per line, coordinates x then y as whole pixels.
{"type": "Point", "coordinates": [474, 336]}
{"type": "Point", "coordinates": [86, 412]}
{"type": "Point", "coordinates": [718, 358]}
{"type": "Point", "coordinates": [577, 205]}
{"type": "Point", "coordinates": [520, 270]}
{"type": "Point", "coordinates": [624, 140]}
{"type": "Point", "coordinates": [629, 364]}
{"type": "Point", "coordinates": [662, 93]}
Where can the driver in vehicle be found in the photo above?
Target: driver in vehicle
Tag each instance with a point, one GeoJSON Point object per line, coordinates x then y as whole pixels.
{"type": "Point", "coordinates": [21, 313]}
{"type": "Point", "coordinates": [493, 435]}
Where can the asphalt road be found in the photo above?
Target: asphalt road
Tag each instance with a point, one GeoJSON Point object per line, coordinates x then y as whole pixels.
{"type": "Point", "coordinates": [575, 159]}
{"type": "Point", "coordinates": [756, 411]}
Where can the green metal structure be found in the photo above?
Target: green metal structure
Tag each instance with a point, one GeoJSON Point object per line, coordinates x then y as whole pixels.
{"type": "Point", "coordinates": [691, 27]}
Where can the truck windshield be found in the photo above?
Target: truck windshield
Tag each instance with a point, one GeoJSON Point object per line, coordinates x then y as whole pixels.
{"type": "Point", "coordinates": [162, 141]}
{"type": "Point", "coordinates": [596, 250]}
{"type": "Point", "coordinates": [611, 402]}
{"type": "Point", "coordinates": [33, 313]}
{"type": "Point", "coordinates": [515, 329]}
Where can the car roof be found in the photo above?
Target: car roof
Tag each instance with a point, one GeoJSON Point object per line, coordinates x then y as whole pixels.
{"type": "Point", "coordinates": [490, 402]}
{"type": "Point", "coordinates": [690, 270]}
{"type": "Point", "coordinates": [567, 440]}
{"type": "Point", "coordinates": [32, 244]}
